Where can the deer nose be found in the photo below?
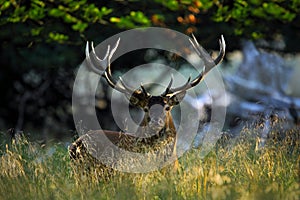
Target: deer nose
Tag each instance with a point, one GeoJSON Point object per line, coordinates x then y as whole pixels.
{"type": "Point", "coordinates": [156, 114]}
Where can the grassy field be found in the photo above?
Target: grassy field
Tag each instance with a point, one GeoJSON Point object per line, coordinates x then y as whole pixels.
{"type": "Point", "coordinates": [235, 171]}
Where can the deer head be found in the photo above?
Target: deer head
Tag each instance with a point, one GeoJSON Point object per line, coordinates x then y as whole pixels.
{"type": "Point", "coordinates": [157, 109]}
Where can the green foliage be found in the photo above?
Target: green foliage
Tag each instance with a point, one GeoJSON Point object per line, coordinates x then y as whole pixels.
{"type": "Point", "coordinates": [134, 20]}
{"type": "Point", "coordinates": [58, 37]}
{"type": "Point", "coordinates": [77, 15]}
{"type": "Point", "coordinates": [170, 4]}
{"type": "Point", "coordinates": [249, 17]}
{"type": "Point", "coordinates": [242, 17]}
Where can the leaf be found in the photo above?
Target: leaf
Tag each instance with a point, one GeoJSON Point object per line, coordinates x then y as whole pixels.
{"type": "Point", "coordinates": [36, 31]}
{"type": "Point", "coordinates": [58, 37]}
{"type": "Point", "coordinates": [70, 19]}
{"type": "Point", "coordinates": [79, 26]}
{"type": "Point", "coordinates": [55, 12]}
{"type": "Point", "coordinates": [133, 20]}
{"type": "Point", "coordinates": [36, 12]}
{"type": "Point", "coordinates": [5, 6]}
{"type": "Point", "coordinates": [139, 17]}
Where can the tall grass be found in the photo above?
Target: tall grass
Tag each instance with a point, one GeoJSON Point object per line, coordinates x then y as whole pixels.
{"type": "Point", "coordinates": [236, 170]}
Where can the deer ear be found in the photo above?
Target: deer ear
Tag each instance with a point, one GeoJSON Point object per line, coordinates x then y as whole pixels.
{"type": "Point", "coordinates": [177, 98]}
{"type": "Point", "coordinates": [133, 100]}
{"type": "Point", "coordinates": [138, 98]}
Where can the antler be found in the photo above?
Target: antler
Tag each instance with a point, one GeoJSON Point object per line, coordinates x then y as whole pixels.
{"type": "Point", "coordinates": [103, 67]}
{"type": "Point", "coordinates": [209, 63]}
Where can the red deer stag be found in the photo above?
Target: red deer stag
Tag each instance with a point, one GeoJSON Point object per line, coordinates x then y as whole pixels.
{"type": "Point", "coordinates": [157, 123]}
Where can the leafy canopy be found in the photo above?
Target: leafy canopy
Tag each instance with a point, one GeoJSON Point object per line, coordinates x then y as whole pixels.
{"type": "Point", "coordinates": [62, 20]}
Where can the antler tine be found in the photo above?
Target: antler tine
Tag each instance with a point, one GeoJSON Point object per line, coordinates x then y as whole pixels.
{"type": "Point", "coordinates": [198, 79]}
{"type": "Point", "coordinates": [144, 90]}
{"type": "Point", "coordinates": [182, 88]}
{"type": "Point", "coordinates": [90, 65]}
{"type": "Point", "coordinates": [104, 66]}
{"type": "Point", "coordinates": [168, 87]}
{"type": "Point", "coordinates": [209, 63]}
{"type": "Point", "coordinates": [102, 62]}
{"type": "Point", "coordinates": [111, 54]}
{"type": "Point", "coordinates": [222, 51]}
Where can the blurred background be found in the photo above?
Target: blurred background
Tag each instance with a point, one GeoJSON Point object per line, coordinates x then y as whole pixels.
{"type": "Point", "coordinates": [43, 44]}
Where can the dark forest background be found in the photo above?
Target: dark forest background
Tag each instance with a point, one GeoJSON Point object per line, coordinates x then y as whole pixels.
{"type": "Point", "coordinates": [43, 42]}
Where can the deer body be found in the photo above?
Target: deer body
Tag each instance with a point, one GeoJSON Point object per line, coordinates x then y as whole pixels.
{"type": "Point", "coordinates": [156, 133]}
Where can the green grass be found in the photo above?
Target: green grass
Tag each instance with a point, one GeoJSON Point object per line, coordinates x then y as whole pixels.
{"type": "Point", "coordinates": [236, 171]}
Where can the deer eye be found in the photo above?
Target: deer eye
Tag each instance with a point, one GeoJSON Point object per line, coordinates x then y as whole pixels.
{"type": "Point", "coordinates": [167, 107]}
{"type": "Point", "coordinates": [146, 109]}
{"type": "Point", "coordinates": [133, 100]}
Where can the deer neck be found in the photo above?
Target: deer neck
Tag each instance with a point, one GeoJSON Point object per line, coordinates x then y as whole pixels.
{"type": "Point", "coordinates": [155, 139]}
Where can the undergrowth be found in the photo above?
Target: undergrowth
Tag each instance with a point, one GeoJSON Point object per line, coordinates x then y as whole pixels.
{"type": "Point", "coordinates": [233, 170]}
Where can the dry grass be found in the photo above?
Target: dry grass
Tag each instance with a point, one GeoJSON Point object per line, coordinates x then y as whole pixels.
{"type": "Point", "coordinates": [231, 171]}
